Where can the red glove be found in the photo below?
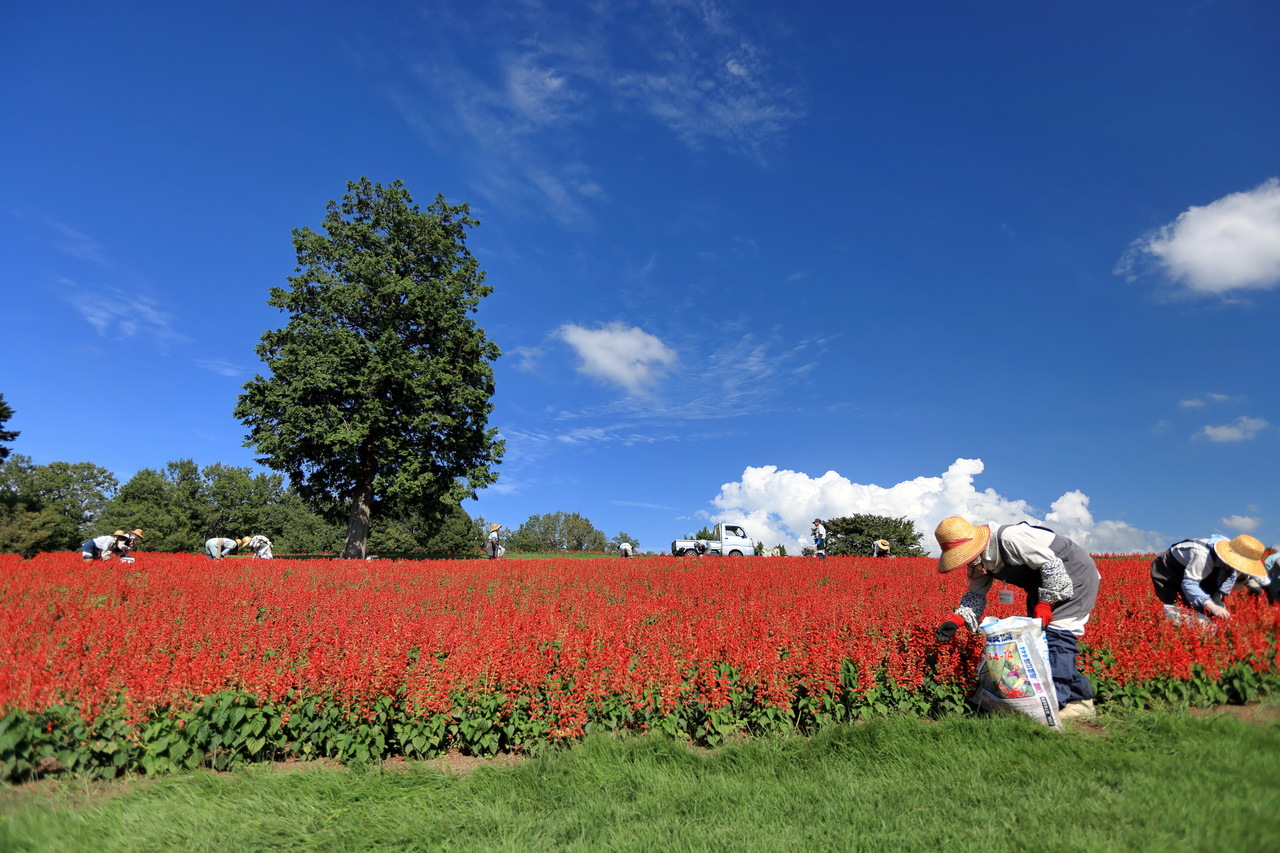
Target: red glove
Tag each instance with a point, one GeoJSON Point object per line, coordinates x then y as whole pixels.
{"type": "Point", "coordinates": [1044, 613]}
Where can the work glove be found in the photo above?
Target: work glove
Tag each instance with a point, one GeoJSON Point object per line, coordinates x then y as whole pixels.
{"type": "Point", "coordinates": [1216, 610]}
{"type": "Point", "coordinates": [946, 631]}
{"type": "Point", "coordinates": [1043, 612]}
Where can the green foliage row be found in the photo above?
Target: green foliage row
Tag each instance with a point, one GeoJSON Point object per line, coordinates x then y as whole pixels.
{"type": "Point", "coordinates": [55, 507]}
{"type": "Point", "coordinates": [853, 535]}
{"type": "Point", "coordinates": [229, 728]}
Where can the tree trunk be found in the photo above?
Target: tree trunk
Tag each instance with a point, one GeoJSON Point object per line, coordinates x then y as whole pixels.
{"type": "Point", "coordinates": [358, 520]}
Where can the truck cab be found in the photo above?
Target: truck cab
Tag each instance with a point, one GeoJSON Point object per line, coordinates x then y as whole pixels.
{"type": "Point", "coordinates": [730, 541]}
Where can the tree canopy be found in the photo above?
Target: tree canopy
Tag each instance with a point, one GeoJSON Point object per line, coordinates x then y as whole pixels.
{"type": "Point", "coordinates": [852, 535]}
{"type": "Point", "coordinates": [381, 383]}
{"type": "Point", "coordinates": [6, 435]}
{"type": "Point", "coordinates": [51, 507]}
{"type": "Point", "coordinates": [557, 531]}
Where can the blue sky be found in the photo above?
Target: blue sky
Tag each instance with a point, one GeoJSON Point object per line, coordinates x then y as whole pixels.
{"type": "Point", "coordinates": [751, 261]}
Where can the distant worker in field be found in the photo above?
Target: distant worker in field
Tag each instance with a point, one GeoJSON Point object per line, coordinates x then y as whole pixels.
{"type": "Point", "coordinates": [493, 548]}
{"type": "Point", "coordinates": [880, 548]}
{"type": "Point", "coordinates": [219, 547]}
{"type": "Point", "coordinates": [259, 545]}
{"type": "Point", "coordinates": [1058, 576]}
{"type": "Point", "coordinates": [102, 547]}
{"type": "Point", "coordinates": [1201, 572]}
{"type": "Point", "coordinates": [819, 539]}
{"type": "Point", "coordinates": [625, 547]}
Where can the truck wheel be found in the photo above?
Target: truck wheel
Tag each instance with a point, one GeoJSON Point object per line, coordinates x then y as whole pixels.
{"type": "Point", "coordinates": [688, 552]}
{"type": "Point", "coordinates": [735, 553]}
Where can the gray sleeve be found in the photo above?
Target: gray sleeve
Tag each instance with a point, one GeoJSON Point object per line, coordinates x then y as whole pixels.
{"type": "Point", "coordinates": [970, 609]}
{"type": "Point", "coordinates": [1055, 583]}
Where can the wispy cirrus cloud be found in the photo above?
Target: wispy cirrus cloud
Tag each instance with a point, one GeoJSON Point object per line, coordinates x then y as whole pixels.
{"type": "Point", "coordinates": [525, 90]}
{"type": "Point", "coordinates": [114, 312]}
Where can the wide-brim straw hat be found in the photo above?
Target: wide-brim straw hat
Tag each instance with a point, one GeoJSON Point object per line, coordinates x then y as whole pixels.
{"type": "Point", "coordinates": [882, 544]}
{"type": "Point", "coordinates": [137, 532]}
{"type": "Point", "coordinates": [960, 541]}
{"type": "Point", "coordinates": [120, 533]}
{"type": "Point", "coordinates": [1244, 554]}
{"type": "Point", "coordinates": [495, 527]}
{"type": "Point", "coordinates": [243, 542]}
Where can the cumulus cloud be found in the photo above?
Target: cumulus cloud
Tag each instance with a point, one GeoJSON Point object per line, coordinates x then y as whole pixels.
{"type": "Point", "coordinates": [1243, 429]}
{"type": "Point", "coordinates": [622, 355]}
{"type": "Point", "coordinates": [778, 506]}
{"type": "Point", "coordinates": [1228, 245]}
{"type": "Point", "coordinates": [1242, 523]}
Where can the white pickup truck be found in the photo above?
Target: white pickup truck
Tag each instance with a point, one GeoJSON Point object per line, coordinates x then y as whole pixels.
{"type": "Point", "coordinates": [730, 541]}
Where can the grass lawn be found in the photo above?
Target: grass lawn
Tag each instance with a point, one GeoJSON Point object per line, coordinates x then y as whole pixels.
{"type": "Point", "coordinates": [1165, 780]}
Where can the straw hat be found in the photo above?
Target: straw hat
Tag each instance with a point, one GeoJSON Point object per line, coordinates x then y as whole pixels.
{"type": "Point", "coordinates": [882, 544]}
{"type": "Point", "coordinates": [1244, 554]}
{"type": "Point", "coordinates": [960, 541]}
{"type": "Point", "coordinates": [241, 543]}
{"type": "Point", "coordinates": [495, 527]}
{"type": "Point", "coordinates": [137, 532]}
{"type": "Point", "coordinates": [120, 533]}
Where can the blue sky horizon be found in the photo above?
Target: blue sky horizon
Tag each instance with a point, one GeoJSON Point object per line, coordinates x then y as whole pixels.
{"type": "Point", "coordinates": [750, 263]}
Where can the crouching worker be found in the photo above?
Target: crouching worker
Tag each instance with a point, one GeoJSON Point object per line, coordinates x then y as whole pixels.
{"type": "Point", "coordinates": [259, 545]}
{"type": "Point", "coordinates": [102, 547]}
{"type": "Point", "coordinates": [1201, 572]}
{"type": "Point", "coordinates": [1058, 576]}
{"type": "Point", "coordinates": [219, 547]}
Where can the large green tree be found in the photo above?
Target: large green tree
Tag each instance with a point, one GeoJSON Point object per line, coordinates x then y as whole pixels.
{"type": "Point", "coordinates": [381, 382]}
{"type": "Point", "coordinates": [853, 535]}
{"type": "Point", "coordinates": [557, 531]}
{"type": "Point", "coordinates": [6, 435]}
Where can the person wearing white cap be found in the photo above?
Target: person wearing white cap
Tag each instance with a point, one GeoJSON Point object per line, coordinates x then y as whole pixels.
{"type": "Point", "coordinates": [494, 548]}
{"type": "Point", "coordinates": [819, 539]}
{"type": "Point", "coordinates": [1201, 572]}
{"type": "Point", "coordinates": [219, 547]}
{"type": "Point", "coordinates": [1058, 576]}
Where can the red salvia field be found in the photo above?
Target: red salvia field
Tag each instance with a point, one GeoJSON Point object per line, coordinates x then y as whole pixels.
{"type": "Point", "coordinates": [562, 645]}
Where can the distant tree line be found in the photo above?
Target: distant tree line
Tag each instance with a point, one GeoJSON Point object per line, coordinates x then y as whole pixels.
{"type": "Point", "coordinates": [55, 507]}
{"type": "Point", "coordinates": [563, 531]}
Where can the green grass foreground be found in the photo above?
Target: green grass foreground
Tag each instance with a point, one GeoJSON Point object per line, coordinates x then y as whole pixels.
{"type": "Point", "coordinates": [1164, 780]}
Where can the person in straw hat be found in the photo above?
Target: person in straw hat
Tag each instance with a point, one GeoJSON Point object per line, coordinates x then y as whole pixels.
{"type": "Point", "coordinates": [880, 548]}
{"type": "Point", "coordinates": [102, 547]}
{"type": "Point", "coordinates": [493, 547]}
{"type": "Point", "coordinates": [1058, 576]}
{"type": "Point", "coordinates": [1201, 572]}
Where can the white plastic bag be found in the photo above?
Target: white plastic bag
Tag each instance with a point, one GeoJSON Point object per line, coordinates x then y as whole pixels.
{"type": "Point", "coordinates": [1015, 674]}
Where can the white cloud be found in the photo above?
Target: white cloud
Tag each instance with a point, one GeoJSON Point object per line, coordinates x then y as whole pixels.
{"type": "Point", "coordinates": [778, 507]}
{"type": "Point", "coordinates": [220, 366]}
{"type": "Point", "coordinates": [623, 355]}
{"type": "Point", "coordinates": [1228, 245]}
{"type": "Point", "coordinates": [116, 313]}
{"type": "Point", "coordinates": [1243, 429]}
{"type": "Point", "coordinates": [1191, 404]}
{"type": "Point", "coordinates": [1242, 523]}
